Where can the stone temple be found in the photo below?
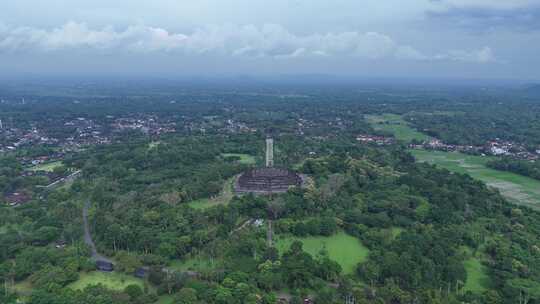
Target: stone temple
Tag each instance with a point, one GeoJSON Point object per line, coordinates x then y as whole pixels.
{"type": "Point", "coordinates": [267, 180]}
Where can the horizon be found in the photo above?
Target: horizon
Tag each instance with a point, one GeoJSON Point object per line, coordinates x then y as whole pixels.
{"type": "Point", "coordinates": [473, 39]}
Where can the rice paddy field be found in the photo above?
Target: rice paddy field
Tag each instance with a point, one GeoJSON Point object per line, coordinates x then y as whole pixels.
{"type": "Point", "coordinates": [112, 280]}
{"type": "Point", "coordinates": [518, 189]}
{"type": "Point", "coordinates": [342, 248]}
{"type": "Point", "coordinates": [395, 124]}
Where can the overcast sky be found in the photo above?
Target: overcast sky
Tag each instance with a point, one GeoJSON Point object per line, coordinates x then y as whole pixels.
{"type": "Point", "coordinates": [368, 38]}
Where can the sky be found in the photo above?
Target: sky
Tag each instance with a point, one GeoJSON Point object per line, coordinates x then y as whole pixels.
{"type": "Point", "coordinates": [491, 39]}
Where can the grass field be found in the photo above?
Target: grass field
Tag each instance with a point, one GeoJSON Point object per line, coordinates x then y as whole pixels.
{"type": "Point", "coordinates": [165, 299]}
{"type": "Point", "coordinates": [396, 125]}
{"type": "Point", "coordinates": [113, 280]}
{"type": "Point", "coordinates": [346, 250]}
{"type": "Point", "coordinates": [223, 198]}
{"type": "Point", "coordinates": [49, 167]}
{"type": "Point", "coordinates": [199, 264]}
{"type": "Point", "coordinates": [518, 189]}
{"type": "Point", "coordinates": [23, 287]}
{"type": "Point", "coordinates": [477, 278]}
{"type": "Point", "coordinates": [244, 158]}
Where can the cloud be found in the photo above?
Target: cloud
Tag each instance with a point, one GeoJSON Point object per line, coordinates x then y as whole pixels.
{"type": "Point", "coordinates": [487, 14]}
{"type": "Point", "coordinates": [483, 55]}
{"type": "Point", "coordinates": [267, 41]}
{"type": "Point", "coordinates": [487, 4]}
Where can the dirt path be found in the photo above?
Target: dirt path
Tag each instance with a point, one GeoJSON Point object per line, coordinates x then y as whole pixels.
{"type": "Point", "coordinates": [244, 225]}
{"type": "Point", "coordinates": [270, 234]}
{"type": "Point", "coordinates": [88, 236]}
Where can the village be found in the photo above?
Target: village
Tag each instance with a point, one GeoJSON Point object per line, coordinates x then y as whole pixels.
{"type": "Point", "coordinates": [40, 154]}
{"type": "Point", "coordinates": [75, 134]}
{"type": "Point", "coordinates": [496, 147]}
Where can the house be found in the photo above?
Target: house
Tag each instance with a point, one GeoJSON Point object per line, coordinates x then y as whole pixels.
{"type": "Point", "coordinates": [497, 151]}
{"type": "Point", "coordinates": [141, 272]}
{"type": "Point", "coordinates": [104, 266]}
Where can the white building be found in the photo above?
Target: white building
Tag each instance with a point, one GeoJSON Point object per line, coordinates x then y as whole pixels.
{"type": "Point", "coordinates": [497, 151]}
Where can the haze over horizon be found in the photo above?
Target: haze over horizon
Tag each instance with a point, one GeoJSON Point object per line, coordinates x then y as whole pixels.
{"type": "Point", "coordinates": [422, 38]}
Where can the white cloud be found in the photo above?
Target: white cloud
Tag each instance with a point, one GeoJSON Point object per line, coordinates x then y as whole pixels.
{"type": "Point", "coordinates": [229, 40]}
{"type": "Point", "coordinates": [408, 52]}
{"type": "Point", "coordinates": [484, 55]}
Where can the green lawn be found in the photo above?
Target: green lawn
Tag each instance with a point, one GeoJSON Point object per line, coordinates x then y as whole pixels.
{"type": "Point", "coordinates": [395, 124]}
{"type": "Point", "coordinates": [518, 189]}
{"type": "Point", "coordinates": [477, 278]}
{"type": "Point", "coordinates": [49, 167]}
{"type": "Point", "coordinates": [348, 251]}
{"type": "Point", "coordinates": [223, 198]}
{"type": "Point", "coordinates": [113, 280]}
{"type": "Point", "coordinates": [165, 299]}
{"type": "Point", "coordinates": [244, 158]}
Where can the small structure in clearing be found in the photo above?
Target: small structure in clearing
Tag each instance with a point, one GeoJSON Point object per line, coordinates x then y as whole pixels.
{"type": "Point", "coordinates": [104, 266]}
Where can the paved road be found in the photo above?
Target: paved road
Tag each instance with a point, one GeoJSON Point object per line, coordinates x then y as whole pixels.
{"type": "Point", "coordinates": [88, 236]}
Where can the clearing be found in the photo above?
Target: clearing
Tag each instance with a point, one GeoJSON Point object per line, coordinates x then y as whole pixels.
{"type": "Point", "coordinates": [224, 197]}
{"type": "Point", "coordinates": [112, 280]}
{"type": "Point", "coordinates": [153, 145]}
{"type": "Point", "coordinates": [346, 250]}
{"type": "Point", "coordinates": [49, 167]}
{"type": "Point", "coordinates": [477, 278]}
{"type": "Point", "coordinates": [198, 263]}
{"type": "Point", "coordinates": [166, 299]}
{"type": "Point", "coordinates": [395, 124]}
{"type": "Point", "coordinates": [518, 189]}
{"type": "Point", "coordinates": [23, 288]}
{"type": "Point", "coordinates": [244, 158]}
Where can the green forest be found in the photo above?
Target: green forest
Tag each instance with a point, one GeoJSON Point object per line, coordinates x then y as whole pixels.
{"type": "Point", "coordinates": [422, 232]}
{"type": "Point", "coordinates": [371, 223]}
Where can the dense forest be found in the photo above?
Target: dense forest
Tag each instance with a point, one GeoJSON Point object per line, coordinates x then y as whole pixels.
{"type": "Point", "coordinates": [141, 217]}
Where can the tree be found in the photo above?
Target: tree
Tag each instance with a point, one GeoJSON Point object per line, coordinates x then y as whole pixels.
{"type": "Point", "coordinates": [134, 291]}
{"type": "Point", "coordinates": [298, 266]}
{"type": "Point", "coordinates": [186, 296]}
{"type": "Point", "coordinates": [127, 263]}
{"type": "Point", "coordinates": [224, 296]}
